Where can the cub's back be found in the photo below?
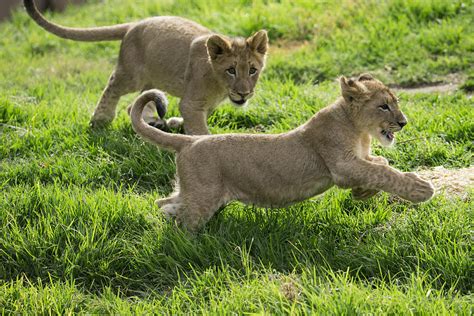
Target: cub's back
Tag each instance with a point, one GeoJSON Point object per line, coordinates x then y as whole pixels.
{"type": "Point", "coordinates": [159, 49]}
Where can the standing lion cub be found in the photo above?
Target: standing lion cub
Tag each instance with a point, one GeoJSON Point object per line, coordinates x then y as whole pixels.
{"type": "Point", "coordinates": [178, 56]}
{"type": "Point", "coordinates": [332, 148]}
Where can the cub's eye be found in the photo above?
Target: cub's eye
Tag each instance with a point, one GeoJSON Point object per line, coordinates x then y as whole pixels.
{"type": "Point", "coordinates": [384, 107]}
{"type": "Point", "coordinates": [252, 71]}
{"type": "Point", "coordinates": [231, 71]}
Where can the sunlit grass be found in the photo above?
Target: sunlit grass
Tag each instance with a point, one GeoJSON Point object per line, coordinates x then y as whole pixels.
{"type": "Point", "coordinates": [79, 231]}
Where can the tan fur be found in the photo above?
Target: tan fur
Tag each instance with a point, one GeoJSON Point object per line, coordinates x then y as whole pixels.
{"type": "Point", "coordinates": [178, 56]}
{"type": "Point", "coordinates": [332, 148]}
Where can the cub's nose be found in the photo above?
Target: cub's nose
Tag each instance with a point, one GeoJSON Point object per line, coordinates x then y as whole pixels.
{"type": "Point", "coordinates": [402, 123]}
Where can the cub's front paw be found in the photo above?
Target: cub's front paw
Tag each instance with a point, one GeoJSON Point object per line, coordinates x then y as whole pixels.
{"type": "Point", "coordinates": [419, 189]}
{"type": "Point", "coordinates": [379, 160]}
{"type": "Point", "coordinates": [101, 120]}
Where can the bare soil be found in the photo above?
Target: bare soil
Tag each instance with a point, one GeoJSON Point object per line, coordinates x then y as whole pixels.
{"type": "Point", "coordinates": [436, 88]}
{"type": "Point", "coordinates": [456, 182]}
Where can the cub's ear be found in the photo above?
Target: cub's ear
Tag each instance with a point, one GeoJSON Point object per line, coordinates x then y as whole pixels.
{"type": "Point", "coordinates": [259, 42]}
{"type": "Point", "coordinates": [366, 77]}
{"type": "Point", "coordinates": [217, 46]}
{"type": "Point", "coordinates": [351, 90]}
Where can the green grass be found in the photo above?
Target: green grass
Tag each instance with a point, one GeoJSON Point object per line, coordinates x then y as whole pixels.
{"type": "Point", "coordinates": [79, 231]}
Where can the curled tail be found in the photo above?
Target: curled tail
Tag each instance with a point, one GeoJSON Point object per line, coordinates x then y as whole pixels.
{"type": "Point", "coordinates": [155, 136]}
{"type": "Point", "coordinates": [93, 34]}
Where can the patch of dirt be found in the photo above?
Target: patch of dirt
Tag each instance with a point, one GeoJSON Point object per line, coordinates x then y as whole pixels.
{"type": "Point", "coordinates": [448, 83]}
{"type": "Point", "coordinates": [439, 88]}
{"type": "Point", "coordinates": [20, 130]}
{"type": "Point", "coordinates": [288, 284]}
{"type": "Point", "coordinates": [290, 291]}
{"type": "Point", "coordinates": [450, 181]}
{"type": "Point", "coordinates": [287, 47]}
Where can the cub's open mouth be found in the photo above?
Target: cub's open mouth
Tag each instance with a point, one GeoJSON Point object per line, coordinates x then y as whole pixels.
{"type": "Point", "coordinates": [389, 135]}
{"type": "Point", "coordinates": [239, 102]}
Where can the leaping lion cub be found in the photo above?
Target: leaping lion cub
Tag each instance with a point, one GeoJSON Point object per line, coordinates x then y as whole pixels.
{"type": "Point", "coordinates": [332, 148]}
{"type": "Point", "coordinates": [178, 56]}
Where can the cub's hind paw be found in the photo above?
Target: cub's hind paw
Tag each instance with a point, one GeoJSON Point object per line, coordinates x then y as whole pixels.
{"type": "Point", "coordinates": [159, 124]}
{"type": "Point", "coordinates": [175, 122]}
{"type": "Point", "coordinates": [171, 210]}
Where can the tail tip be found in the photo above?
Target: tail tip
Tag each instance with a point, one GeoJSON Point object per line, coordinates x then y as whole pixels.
{"type": "Point", "coordinates": [28, 4]}
{"type": "Point", "coordinates": [161, 103]}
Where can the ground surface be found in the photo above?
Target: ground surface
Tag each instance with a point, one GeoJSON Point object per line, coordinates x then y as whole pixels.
{"type": "Point", "coordinates": [451, 182]}
{"type": "Point", "coordinates": [78, 227]}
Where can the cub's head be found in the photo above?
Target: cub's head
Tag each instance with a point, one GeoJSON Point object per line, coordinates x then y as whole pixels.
{"type": "Point", "coordinates": [373, 107]}
{"type": "Point", "coordinates": [238, 63]}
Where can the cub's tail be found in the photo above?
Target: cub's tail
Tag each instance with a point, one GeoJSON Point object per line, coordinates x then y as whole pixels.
{"type": "Point", "coordinates": [167, 140]}
{"type": "Point", "coordinates": [93, 34]}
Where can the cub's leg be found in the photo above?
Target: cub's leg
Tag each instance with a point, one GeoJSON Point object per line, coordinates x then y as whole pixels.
{"type": "Point", "coordinates": [363, 194]}
{"type": "Point", "coordinates": [201, 193]}
{"type": "Point", "coordinates": [362, 173]}
{"type": "Point", "coordinates": [104, 113]}
{"type": "Point", "coordinates": [199, 206]}
{"type": "Point", "coordinates": [172, 198]}
{"type": "Point", "coordinates": [194, 117]}
{"type": "Point", "coordinates": [170, 205]}
{"type": "Point", "coordinates": [171, 210]}
{"type": "Point", "coordinates": [193, 209]}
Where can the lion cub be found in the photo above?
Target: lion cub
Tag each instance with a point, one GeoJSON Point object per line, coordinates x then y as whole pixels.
{"type": "Point", "coordinates": [178, 56]}
{"type": "Point", "coordinates": [332, 148]}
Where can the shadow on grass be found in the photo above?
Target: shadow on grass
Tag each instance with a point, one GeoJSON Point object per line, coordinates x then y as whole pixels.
{"type": "Point", "coordinates": [239, 120]}
{"type": "Point", "coordinates": [136, 255]}
{"type": "Point", "coordinates": [136, 164]}
{"type": "Point", "coordinates": [78, 155]}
